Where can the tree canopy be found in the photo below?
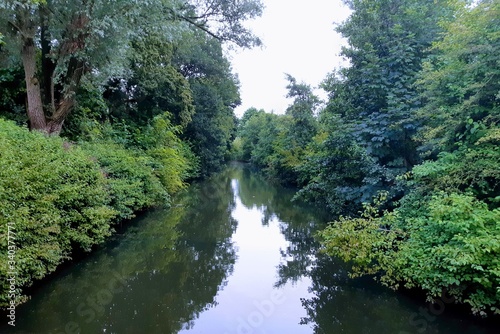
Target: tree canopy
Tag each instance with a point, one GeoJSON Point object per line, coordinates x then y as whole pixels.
{"type": "Point", "coordinates": [94, 39]}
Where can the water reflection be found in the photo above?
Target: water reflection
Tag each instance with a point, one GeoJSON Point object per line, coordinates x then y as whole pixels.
{"type": "Point", "coordinates": [343, 304]}
{"type": "Point", "coordinates": [334, 302]}
{"type": "Point", "coordinates": [233, 255]}
{"type": "Point", "coordinates": [297, 223]}
{"type": "Point", "coordinates": [156, 278]}
{"type": "Point", "coordinates": [250, 303]}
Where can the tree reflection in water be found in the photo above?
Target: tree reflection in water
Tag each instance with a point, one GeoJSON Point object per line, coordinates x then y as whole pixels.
{"type": "Point", "coordinates": [157, 277]}
{"type": "Point", "coordinates": [171, 265]}
{"type": "Point", "coordinates": [338, 303]}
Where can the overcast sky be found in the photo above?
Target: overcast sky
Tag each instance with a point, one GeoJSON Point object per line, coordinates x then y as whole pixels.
{"type": "Point", "coordinates": [299, 39]}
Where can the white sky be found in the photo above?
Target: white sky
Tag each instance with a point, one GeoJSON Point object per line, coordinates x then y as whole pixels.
{"type": "Point", "coordinates": [299, 39]}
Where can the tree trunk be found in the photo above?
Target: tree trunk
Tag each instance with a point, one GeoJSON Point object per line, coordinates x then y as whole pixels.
{"type": "Point", "coordinates": [35, 112]}
{"type": "Point", "coordinates": [48, 68]}
{"type": "Point", "coordinates": [74, 74]}
{"type": "Point", "coordinates": [56, 122]}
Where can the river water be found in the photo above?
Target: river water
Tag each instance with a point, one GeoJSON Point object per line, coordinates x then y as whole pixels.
{"type": "Point", "coordinates": [233, 255]}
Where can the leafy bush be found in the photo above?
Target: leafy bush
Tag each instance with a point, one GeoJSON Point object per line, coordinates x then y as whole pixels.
{"type": "Point", "coordinates": [131, 179]}
{"type": "Point", "coordinates": [174, 159]}
{"type": "Point", "coordinates": [441, 242]}
{"type": "Point", "coordinates": [472, 168]}
{"type": "Point", "coordinates": [453, 245]}
{"type": "Point", "coordinates": [336, 172]}
{"type": "Point", "coordinates": [444, 235]}
{"type": "Point", "coordinates": [56, 198]}
{"type": "Point", "coordinates": [60, 197]}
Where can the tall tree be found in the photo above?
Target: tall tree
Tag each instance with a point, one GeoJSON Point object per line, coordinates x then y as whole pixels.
{"type": "Point", "coordinates": [82, 37]}
{"type": "Point", "coordinates": [154, 85]}
{"type": "Point", "coordinates": [215, 93]}
{"type": "Point", "coordinates": [460, 84]}
{"type": "Point", "coordinates": [376, 95]}
{"type": "Point", "coordinates": [296, 130]}
{"type": "Point", "coordinates": [302, 110]}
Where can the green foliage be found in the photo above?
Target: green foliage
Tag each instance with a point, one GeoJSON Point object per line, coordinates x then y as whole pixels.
{"type": "Point", "coordinates": [80, 39]}
{"type": "Point", "coordinates": [130, 82]}
{"type": "Point", "coordinates": [174, 162]}
{"type": "Point", "coordinates": [90, 108]}
{"type": "Point", "coordinates": [454, 244]}
{"type": "Point", "coordinates": [61, 197]}
{"type": "Point", "coordinates": [444, 233]}
{"type": "Point", "coordinates": [131, 179]}
{"type": "Point", "coordinates": [337, 173]}
{"type": "Point", "coordinates": [302, 111]}
{"type": "Point", "coordinates": [56, 198]}
{"type": "Point", "coordinates": [440, 242]}
{"type": "Point", "coordinates": [12, 91]}
{"type": "Point", "coordinates": [258, 134]}
{"type": "Point", "coordinates": [154, 86]}
{"type": "Point", "coordinates": [201, 61]}
{"type": "Point", "coordinates": [237, 149]}
{"type": "Point", "coordinates": [278, 143]}
{"type": "Point", "coordinates": [461, 83]}
{"type": "Point", "coordinates": [156, 147]}
{"type": "Point", "coordinates": [471, 168]}
{"type": "Point", "coordinates": [363, 241]}
{"type": "Point", "coordinates": [375, 97]}
{"type": "Point", "coordinates": [190, 79]}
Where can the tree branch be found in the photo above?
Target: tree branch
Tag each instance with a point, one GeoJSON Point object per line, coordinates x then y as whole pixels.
{"type": "Point", "coordinates": [202, 27]}
{"type": "Point", "coordinates": [16, 27]}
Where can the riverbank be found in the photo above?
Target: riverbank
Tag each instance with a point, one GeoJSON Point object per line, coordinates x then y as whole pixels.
{"type": "Point", "coordinates": [232, 253]}
{"type": "Point", "coordinates": [58, 198]}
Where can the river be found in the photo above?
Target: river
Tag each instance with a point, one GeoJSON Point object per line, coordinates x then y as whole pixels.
{"type": "Point", "coordinates": [232, 255]}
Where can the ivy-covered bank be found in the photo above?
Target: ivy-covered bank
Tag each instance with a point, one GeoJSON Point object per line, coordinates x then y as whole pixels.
{"type": "Point", "coordinates": [58, 197]}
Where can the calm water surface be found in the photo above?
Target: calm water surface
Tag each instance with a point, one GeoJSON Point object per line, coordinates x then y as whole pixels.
{"type": "Point", "coordinates": [234, 255]}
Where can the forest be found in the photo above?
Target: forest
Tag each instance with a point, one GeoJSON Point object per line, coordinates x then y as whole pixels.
{"type": "Point", "coordinates": [104, 114]}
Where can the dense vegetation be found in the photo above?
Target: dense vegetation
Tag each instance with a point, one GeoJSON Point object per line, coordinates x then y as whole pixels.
{"type": "Point", "coordinates": [405, 152]}
{"type": "Point", "coordinates": [125, 109]}
{"type": "Point", "coordinates": [104, 114]}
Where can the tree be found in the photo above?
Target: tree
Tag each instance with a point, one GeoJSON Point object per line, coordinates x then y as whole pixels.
{"type": "Point", "coordinates": [444, 234]}
{"type": "Point", "coordinates": [201, 61]}
{"type": "Point", "coordinates": [294, 132]}
{"type": "Point", "coordinates": [258, 132]}
{"type": "Point", "coordinates": [81, 38]}
{"type": "Point", "coordinates": [302, 110]}
{"type": "Point", "coordinates": [388, 40]}
{"type": "Point", "coordinates": [460, 84]}
{"type": "Point", "coordinates": [155, 85]}
{"type": "Point", "coordinates": [335, 171]}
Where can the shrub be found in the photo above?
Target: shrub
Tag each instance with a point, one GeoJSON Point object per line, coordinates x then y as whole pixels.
{"type": "Point", "coordinates": [58, 197]}
{"type": "Point", "coordinates": [131, 178]}
{"type": "Point", "coordinates": [54, 196]}
{"type": "Point", "coordinates": [442, 242]}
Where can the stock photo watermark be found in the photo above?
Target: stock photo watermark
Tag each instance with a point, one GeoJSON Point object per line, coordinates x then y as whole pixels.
{"type": "Point", "coordinates": [262, 310]}
{"type": "Point", "coordinates": [95, 304]}
{"type": "Point", "coordinates": [435, 308]}
{"type": "Point", "coordinates": [11, 273]}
